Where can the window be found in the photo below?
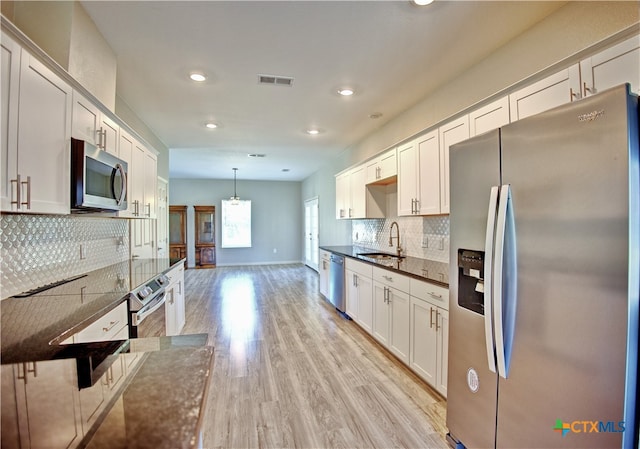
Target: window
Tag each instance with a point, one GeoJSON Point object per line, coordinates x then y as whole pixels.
{"type": "Point", "coordinates": [236, 224]}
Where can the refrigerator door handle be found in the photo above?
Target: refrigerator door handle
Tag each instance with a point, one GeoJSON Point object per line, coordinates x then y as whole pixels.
{"type": "Point", "coordinates": [504, 281]}
{"type": "Point", "coordinates": [488, 278]}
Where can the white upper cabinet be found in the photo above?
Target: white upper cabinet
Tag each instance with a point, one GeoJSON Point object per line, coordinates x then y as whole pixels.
{"type": "Point", "coordinates": [559, 88]}
{"type": "Point", "coordinates": [382, 167]}
{"type": "Point", "coordinates": [36, 147]}
{"type": "Point", "coordinates": [342, 195]}
{"type": "Point", "coordinates": [93, 126]}
{"type": "Point", "coordinates": [428, 201]}
{"type": "Point", "coordinates": [408, 178]}
{"type": "Point", "coordinates": [489, 117]}
{"type": "Point", "coordinates": [9, 78]}
{"type": "Point", "coordinates": [614, 66]}
{"type": "Point", "coordinates": [419, 176]}
{"type": "Point", "coordinates": [451, 133]}
{"type": "Point", "coordinates": [357, 180]}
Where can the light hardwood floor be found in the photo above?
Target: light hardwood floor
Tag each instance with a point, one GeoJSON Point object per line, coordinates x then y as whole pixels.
{"type": "Point", "coordinates": [289, 371]}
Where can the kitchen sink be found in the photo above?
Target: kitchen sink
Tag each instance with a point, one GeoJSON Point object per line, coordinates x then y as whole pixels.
{"type": "Point", "coordinates": [381, 256]}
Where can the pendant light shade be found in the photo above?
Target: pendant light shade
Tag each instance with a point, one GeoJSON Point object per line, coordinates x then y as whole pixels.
{"type": "Point", "coordinates": [235, 199]}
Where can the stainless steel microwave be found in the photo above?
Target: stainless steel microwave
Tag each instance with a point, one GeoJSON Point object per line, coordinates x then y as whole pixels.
{"type": "Point", "coordinates": [98, 179]}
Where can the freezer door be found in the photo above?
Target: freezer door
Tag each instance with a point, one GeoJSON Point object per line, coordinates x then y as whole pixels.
{"type": "Point", "coordinates": [472, 387]}
{"type": "Point", "coordinates": [569, 175]}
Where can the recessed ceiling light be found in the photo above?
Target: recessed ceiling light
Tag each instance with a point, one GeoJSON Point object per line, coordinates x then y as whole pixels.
{"type": "Point", "coordinates": [196, 76]}
{"type": "Point", "coordinates": [422, 2]}
{"type": "Point", "coordinates": [285, 170]}
{"type": "Point", "coordinates": [313, 132]}
{"type": "Point", "coordinates": [345, 92]}
{"type": "Point", "coordinates": [211, 125]}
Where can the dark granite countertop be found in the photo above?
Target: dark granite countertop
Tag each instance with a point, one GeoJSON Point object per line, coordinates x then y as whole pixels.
{"type": "Point", "coordinates": [158, 404]}
{"type": "Point", "coordinates": [30, 324]}
{"type": "Point", "coordinates": [422, 269]}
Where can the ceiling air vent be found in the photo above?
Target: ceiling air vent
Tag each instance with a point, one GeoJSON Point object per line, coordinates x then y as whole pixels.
{"type": "Point", "coordinates": [275, 80]}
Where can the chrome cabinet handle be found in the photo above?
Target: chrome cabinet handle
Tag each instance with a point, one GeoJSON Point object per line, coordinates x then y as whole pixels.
{"type": "Point", "coordinates": [573, 95]}
{"type": "Point", "coordinates": [437, 320]}
{"type": "Point", "coordinates": [587, 89]}
{"type": "Point", "coordinates": [149, 213]}
{"type": "Point", "coordinates": [430, 317]}
{"type": "Point", "coordinates": [417, 208]}
{"type": "Point", "coordinates": [99, 143]}
{"type": "Point", "coordinates": [17, 201]}
{"type": "Point", "coordinates": [28, 183]}
{"type": "Point", "coordinates": [433, 295]}
{"type": "Point", "coordinates": [111, 326]}
{"type": "Point", "coordinates": [388, 278]}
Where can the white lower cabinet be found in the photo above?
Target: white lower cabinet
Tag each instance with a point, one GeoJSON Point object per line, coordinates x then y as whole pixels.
{"type": "Point", "coordinates": [407, 316]}
{"type": "Point", "coordinates": [359, 291]}
{"type": "Point", "coordinates": [430, 333]}
{"type": "Point", "coordinates": [391, 311]}
{"type": "Point", "coordinates": [325, 260]}
{"type": "Point", "coordinates": [174, 309]}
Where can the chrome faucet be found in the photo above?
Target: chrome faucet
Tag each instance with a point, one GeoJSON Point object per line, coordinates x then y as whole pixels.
{"type": "Point", "coordinates": [398, 247]}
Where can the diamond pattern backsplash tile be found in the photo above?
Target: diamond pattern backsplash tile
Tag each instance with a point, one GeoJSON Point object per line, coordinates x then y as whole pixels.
{"type": "Point", "coordinates": [423, 237]}
{"type": "Point", "coordinates": [41, 249]}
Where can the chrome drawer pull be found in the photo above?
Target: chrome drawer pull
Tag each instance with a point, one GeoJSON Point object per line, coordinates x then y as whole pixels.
{"type": "Point", "coordinates": [111, 326]}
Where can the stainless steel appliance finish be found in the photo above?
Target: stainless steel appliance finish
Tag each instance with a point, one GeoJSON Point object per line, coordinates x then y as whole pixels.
{"type": "Point", "coordinates": [145, 300]}
{"type": "Point", "coordinates": [336, 282]}
{"type": "Point", "coordinates": [99, 179]}
{"type": "Point", "coordinates": [544, 280]}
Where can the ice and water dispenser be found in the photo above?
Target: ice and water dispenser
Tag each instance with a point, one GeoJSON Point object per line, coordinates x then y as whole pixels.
{"type": "Point", "coordinates": [470, 280]}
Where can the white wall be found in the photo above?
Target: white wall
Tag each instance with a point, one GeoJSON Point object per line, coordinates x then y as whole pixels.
{"type": "Point", "coordinates": [276, 211]}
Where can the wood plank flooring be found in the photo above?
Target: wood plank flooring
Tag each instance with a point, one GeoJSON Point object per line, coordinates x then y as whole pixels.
{"type": "Point", "coordinates": [289, 371]}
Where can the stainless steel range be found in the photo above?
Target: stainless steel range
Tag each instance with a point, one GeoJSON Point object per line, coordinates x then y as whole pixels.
{"type": "Point", "coordinates": [145, 300]}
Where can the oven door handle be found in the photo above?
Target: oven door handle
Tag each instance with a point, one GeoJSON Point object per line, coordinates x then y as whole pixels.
{"type": "Point", "coordinates": [149, 308]}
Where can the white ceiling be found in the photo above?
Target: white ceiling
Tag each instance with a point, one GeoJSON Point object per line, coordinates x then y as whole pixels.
{"type": "Point", "coordinates": [392, 52]}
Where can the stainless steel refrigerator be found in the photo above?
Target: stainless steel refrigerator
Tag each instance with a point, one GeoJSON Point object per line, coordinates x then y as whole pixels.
{"type": "Point", "coordinates": [544, 281]}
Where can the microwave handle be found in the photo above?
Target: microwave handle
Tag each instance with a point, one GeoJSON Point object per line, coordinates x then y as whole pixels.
{"type": "Point", "coordinates": [123, 175]}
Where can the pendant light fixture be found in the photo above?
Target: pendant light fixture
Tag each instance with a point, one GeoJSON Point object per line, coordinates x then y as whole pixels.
{"type": "Point", "coordinates": [235, 199]}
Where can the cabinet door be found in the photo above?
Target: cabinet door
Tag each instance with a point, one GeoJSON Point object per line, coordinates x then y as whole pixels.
{"type": "Point", "coordinates": [407, 178]}
{"type": "Point", "coordinates": [110, 135]}
{"type": "Point", "coordinates": [442, 350]}
{"type": "Point", "coordinates": [44, 138]}
{"type": "Point", "coordinates": [342, 194]}
{"type": "Point", "coordinates": [450, 134]}
{"type": "Point", "coordinates": [125, 149]}
{"type": "Point", "coordinates": [429, 168]}
{"type": "Point", "coordinates": [136, 175]}
{"type": "Point", "coordinates": [365, 303]}
{"type": "Point", "coordinates": [324, 273]}
{"type": "Point", "coordinates": [555, 90]}
{"type": "Point", "coordinates": [85, 119]}
{"type": "Point", "coordinates": [47, 391]}
{"type": "Point", "coordinates": [489, 117]}
{"type": "Point", "coordinates": [150, 184]}
{"type": "Point", "coordinates": [388, 164]}
{"type": "Point", "coordinates": [351, 290]}
{"type": "Point", "coordinates": [380, 313]}
{"type": "Point", "coordinates": [9, 79]}
{"type": "Point", "coordinates": [423, 353]}
{"type": "Point", "coordinates": [611, 67]}
{"type": "Point", "coordinates": [358, 208]}
{"type": "Point", "coordinates": [400, 324]}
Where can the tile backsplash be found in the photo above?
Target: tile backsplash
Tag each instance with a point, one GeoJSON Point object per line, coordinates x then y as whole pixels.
{"type": "Point", "coordinates": [41, 249]}
{"type": "Point", "coordinates": [423, 237]}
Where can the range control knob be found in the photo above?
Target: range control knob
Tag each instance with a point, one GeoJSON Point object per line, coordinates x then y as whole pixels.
{"type": "Point", "coordinates": [144, 292]}
{"type": "Point", "coordinates": [163, 279]}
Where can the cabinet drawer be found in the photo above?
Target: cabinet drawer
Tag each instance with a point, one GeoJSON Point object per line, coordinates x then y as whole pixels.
{"type": "Point", "coordinates": [363, 269]}
{"type": "Point", "coordinates": [108, 327]}
{"type": "Point", "coordinates": [325, 255]}
{"type": "Point", "coordinates": [435, 294]}
{"type": "Point", "coordinates": [392, 279]}
{"type": "Point", "coordinates": [176, 274]}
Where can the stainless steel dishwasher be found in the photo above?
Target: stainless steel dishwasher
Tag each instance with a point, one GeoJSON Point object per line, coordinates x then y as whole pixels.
{"type": "Point", "coordinates": [336, 282]}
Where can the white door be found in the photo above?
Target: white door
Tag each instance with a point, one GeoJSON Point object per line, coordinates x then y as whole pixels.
{"type": "Point", "coordinates": [311, 236]}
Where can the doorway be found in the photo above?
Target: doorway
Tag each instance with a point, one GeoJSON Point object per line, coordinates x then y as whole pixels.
{"type": "Point", "coordinates": [311, 236]}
